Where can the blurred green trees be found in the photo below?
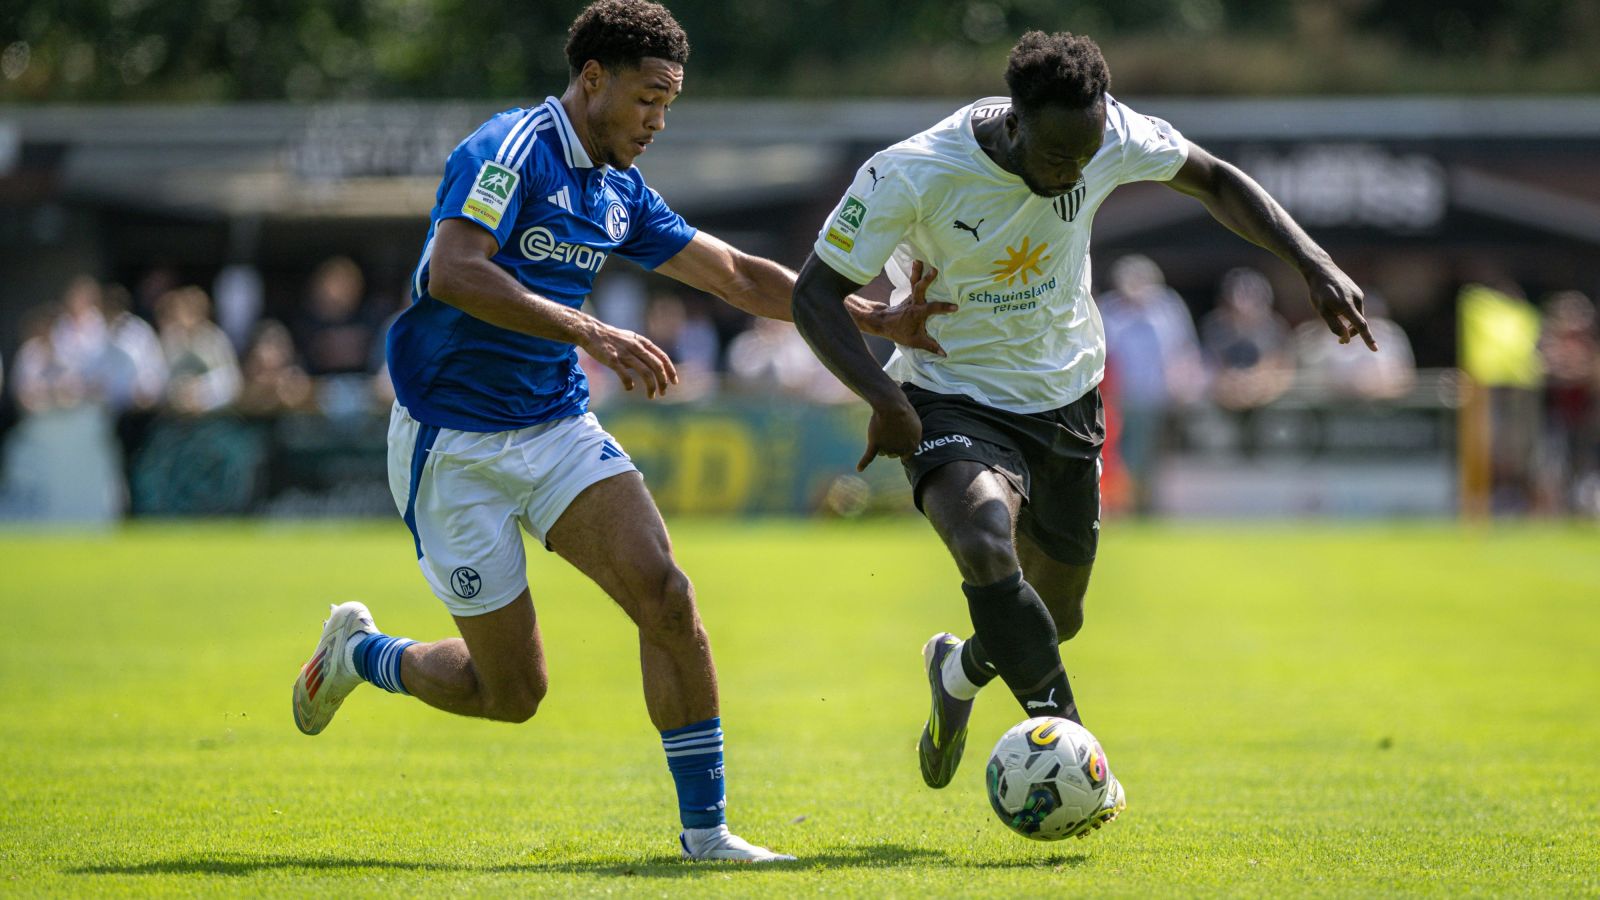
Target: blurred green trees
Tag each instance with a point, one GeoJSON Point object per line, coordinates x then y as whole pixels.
{"type": "Point", "coordinates": [155, 50]}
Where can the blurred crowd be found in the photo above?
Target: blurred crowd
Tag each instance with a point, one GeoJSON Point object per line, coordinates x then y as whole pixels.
{"type": "Point", "coordinates": [190, 355]}
{"type": "Point", "coordinates": [1243, 354]}
{"type": "Point", "coordinates": [197, 351]}
{"type": "Point", "coordinates": [168, 348]}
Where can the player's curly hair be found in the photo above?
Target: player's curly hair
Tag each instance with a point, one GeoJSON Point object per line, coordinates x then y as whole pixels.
{"type": "Point", "coordinates": [620, 33]}
{"type": "Point", "coordinates": [1060, 69]}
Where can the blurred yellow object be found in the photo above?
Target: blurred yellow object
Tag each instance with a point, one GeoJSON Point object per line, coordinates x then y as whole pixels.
{"type": "Point", "coordinates": [1499, 338]}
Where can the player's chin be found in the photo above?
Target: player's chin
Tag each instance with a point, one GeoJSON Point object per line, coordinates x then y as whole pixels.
{"type": "Point", "coordinates": [627, 153]}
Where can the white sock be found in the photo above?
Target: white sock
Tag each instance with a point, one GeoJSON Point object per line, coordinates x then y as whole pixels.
{"type": "Point", "coordinates": [955, 677]}
{"type": "Point", "coordinates": [350, 649]}
{"type": "Point", "coordinates": [696, 837]}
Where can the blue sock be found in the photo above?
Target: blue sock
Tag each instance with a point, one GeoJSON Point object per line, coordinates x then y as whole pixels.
{"type": "Point", "coordinates": [694, 754]}
{"type": "Point", "coordinates": [377, 659]}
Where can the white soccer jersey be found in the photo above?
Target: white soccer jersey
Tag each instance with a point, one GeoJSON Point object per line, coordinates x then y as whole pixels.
{"type": "Point", "coordinates": [1027, 337]}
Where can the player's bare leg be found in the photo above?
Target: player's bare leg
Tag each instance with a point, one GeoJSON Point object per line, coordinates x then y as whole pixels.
{"type": "Point", "coordinates": [613, 533]}
{"type": "Point", "coordinates": [1063, 587]}
{"type": "Point", "coordinates": [495, 670]}
{"type": "Point", "coordinates": [944, 735]}
{"type": "Point", "coordinates": [974, 509]}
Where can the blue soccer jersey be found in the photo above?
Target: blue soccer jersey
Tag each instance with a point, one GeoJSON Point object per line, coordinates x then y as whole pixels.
{"type": "Point", "coordinates": [524, 176]}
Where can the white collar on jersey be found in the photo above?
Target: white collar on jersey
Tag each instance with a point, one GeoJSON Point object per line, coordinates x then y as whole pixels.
{"type": "Point", "coordinates": [577, 157]}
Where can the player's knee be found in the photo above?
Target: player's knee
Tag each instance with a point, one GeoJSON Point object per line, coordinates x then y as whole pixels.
{"type": "Point", "coordinates": [1069, 623]}
{"type": "Point", "coordinates": [516, 706]}
{"type": "Point", "coordinates": [667, 613]}
{"type": "Point", "coordinates": [984, 556]}
{"type": "Point", "coordinates": [1065, 602]}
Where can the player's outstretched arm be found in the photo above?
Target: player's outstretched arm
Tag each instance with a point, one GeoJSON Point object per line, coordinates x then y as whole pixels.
{"type": "Point", "coordinates": [462, 273]}
{"type": "Point", "coordinates": [1234, 199]}
{"type": "Point", "coordinates": [819, 313]}
{"type": "Point", "coordinates": [762, 287]}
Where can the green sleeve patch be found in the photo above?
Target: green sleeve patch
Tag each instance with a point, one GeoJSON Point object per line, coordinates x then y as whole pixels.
{"type": "Point", "coordinates": [842, 233]}
{"type": "Point", "coordinates": [490, 195]}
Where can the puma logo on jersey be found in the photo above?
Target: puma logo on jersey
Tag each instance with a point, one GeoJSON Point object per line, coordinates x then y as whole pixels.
{"type": "Point", "coordinates": [1048, 702]}
{"type": "Point", "coordinates": [962, 226]}
{"type": "Point", "coordinates": [873, 171]}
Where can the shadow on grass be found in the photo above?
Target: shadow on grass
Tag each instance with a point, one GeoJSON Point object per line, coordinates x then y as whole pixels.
{"type": "Point", "coordinates": [1053, 861]}
{"type": "Point", "coordinates": [879, 856]}
{"type": "Point", "coordinates": [233, 864]}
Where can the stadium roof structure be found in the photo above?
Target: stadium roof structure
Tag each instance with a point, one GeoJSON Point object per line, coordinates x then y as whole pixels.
{"type": "Point", "coordinates": [382, 161]}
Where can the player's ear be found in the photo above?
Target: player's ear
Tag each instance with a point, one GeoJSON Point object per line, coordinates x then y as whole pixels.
{"type": "Point", "coordinates": [1011, 125]}
{"type": "Point", "coordinates": [593, 76]}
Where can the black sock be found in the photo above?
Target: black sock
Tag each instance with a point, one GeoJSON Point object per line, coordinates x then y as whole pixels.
{"type": "Point", "coordinates": [1019, 637]}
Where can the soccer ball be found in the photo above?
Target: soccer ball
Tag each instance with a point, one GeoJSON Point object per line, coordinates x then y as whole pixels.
{"type": "Point", "coordinates": [1046, 777]}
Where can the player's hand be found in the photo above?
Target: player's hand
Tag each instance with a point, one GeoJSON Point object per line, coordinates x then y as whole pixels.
{"type": "Point", "coordinates": [1339, 302]}
{"type": "Point", "coordinates": [895, 431]}
{"type": "Point", "coordinates": [907, 323]}
{"type": "Point", "coordinates": [631, 356]}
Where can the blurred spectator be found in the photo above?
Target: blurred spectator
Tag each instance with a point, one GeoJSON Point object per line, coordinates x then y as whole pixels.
{"type": "Point", "coordinates": [378, 356]}
{"type": "Point", "coordinates": [136, 372]}
{"type": "Point", "coordinates": [332, 331]}
{"type": "Point", "coordinates": [62, 461]}
{"type": "Point", "coordinates": [78, 334]}
{"type": "Point", "coordinates": [689, 340]}
{"type": "Point", "coordinates": [335, 335]}
{"type": "Point", "coordinates": [152, 286]}
{"type": "Point", "coordinates": [1246, 343]}
{"type": "Point", "coordinates": [772, 358]}
{"type": "Point", "coordinates": [1352, 370]}
{"type": "Point", "coordinates": [204, 372]}
{"type": "Point", "coordinates": [273, 380]}
{"type": "Point", "coordinates": [1151, 346]}
{"type": "Point", "coordinates": [1570, 350]}
{"type": "Point", "coordinates": [238, 290]}
{"type": "Point", "coordinates": [133, 376]}
{"type": "Point", "coordinates": [41, 377]}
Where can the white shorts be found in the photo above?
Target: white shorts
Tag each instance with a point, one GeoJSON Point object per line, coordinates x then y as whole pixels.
{"type": "Point", "coordinates": [464, 493]}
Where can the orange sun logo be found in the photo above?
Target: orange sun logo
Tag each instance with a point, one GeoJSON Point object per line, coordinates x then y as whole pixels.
{"type": "Point", "coordinates": [1022, 262]}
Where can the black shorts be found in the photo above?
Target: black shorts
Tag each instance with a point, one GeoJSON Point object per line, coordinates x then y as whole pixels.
{"type": "Point", "coordinates": [1052, 459]}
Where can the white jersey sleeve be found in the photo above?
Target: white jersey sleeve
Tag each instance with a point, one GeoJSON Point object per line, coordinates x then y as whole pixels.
{"type": "Point", "coordinates": [870, 221]}
{"type": "Point", "coordinates": [1152, 150]}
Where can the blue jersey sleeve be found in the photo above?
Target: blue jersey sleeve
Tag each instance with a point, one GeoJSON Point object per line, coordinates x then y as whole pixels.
{"type": "Point", "coordinates": [482, 191]}
{"type": "Point", "coordinates": [660, 234]}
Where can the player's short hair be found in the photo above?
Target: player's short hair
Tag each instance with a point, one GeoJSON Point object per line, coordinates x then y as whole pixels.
{"type": "Point", "coordinates": [620, 33]}
{"type": "Point", "coordinates": [1060, 69]}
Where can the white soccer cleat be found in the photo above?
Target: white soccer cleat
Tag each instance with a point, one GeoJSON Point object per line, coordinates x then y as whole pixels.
{"type": "Point", "coordinates": [719, 843]}
{"type": "Point", "coordinates": [327, 677]}
{"type": "Point", "coordinates": [1116, 802]}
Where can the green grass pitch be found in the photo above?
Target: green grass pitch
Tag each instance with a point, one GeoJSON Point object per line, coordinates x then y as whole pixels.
{"type": "Point", "coordinates": [1294, 710]}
